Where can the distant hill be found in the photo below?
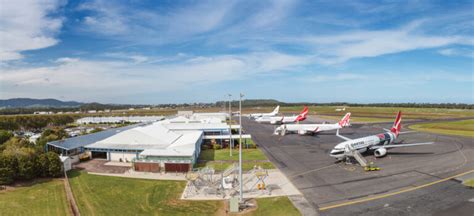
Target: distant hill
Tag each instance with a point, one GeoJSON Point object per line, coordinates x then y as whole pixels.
{"type": "Point", "coordinates": [39, 103]}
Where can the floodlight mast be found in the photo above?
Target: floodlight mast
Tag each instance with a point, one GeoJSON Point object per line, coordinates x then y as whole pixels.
{"type": "Point", "coordinates": [231, 144]}
{"type": "Point", "coordinates": [240, 147]}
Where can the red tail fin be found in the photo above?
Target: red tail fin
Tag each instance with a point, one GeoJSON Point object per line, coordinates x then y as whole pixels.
{"type": "Point", "coordinates": [397, 125]}
{"type": "Point", "coordinates": [345, 121]}
{"type": "Point", "coordinates": [302, 115]}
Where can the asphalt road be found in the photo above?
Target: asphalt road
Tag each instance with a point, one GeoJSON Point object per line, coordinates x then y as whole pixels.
{"type": "Point", "coordinates": [324, 183]}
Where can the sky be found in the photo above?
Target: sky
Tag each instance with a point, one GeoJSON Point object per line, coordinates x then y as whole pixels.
{"type": "Point", "coordinates": [153, 52]}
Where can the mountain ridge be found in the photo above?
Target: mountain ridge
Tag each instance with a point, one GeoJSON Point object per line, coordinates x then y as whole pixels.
{"type": "Point", "coordinates": [40, 103]}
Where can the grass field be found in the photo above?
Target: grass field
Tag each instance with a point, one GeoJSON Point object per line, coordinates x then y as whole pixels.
{"type": "Point", "coordinates": [461, 128]}
{"type": "Point", "coordinates": [220, 159]}
{"type": "Point", "coordinates": [45, 197]}
{"type": "Point", "coordinates": [223, 154]}
{"type": "Point", "coordinates": [104, 195]}
{"type": "Point", "coordinates": [275, 206]}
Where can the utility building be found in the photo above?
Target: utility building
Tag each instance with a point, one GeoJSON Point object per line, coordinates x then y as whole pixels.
{"type": "Point", "coordinates": [171, 145]}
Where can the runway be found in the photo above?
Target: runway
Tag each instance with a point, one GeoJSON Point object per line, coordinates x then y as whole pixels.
{"type": "Point", "coordinates": [324, 183]}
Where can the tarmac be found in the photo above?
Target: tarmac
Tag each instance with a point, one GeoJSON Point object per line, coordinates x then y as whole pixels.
{"type": "Point", "coordinates": [412, 180]}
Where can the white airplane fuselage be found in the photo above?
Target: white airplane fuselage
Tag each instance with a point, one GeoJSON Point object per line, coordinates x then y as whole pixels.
{"type": "Point", "coordinates": [363, 144]}
{"type": "Point", "coordinates": [307, 129]}
{"type": "Point", "coordinates": [270, 114]}
{"type": "Point", "coordinates": [276, 119]}
{"type": "Point", "coordinates": [260, 115]}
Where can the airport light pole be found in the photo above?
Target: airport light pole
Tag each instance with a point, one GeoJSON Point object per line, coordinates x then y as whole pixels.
{"type": "Point", "coordinates": [231, 146]}
{"type": "Point", "coordinates": [240, 147]}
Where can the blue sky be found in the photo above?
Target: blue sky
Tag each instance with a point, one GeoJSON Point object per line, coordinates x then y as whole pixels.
{"type": "Point", "coordinates": [151, 52]}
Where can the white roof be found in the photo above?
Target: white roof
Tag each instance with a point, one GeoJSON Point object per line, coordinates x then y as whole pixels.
{"type": "Point", "coordinates": [196, 126]}
{"type": "Point", "coordinates": [171, 137]}
{"type": "Point", "coordinates": [148, 136]}
{"type": "Point", "coordinates": [226, 136]}
{"type": "Point", "coordinates": [181, 120]}
{"type": "Point", "coordinates": [154, 139]}
{"type": "Point", "coordinates": [204, 116]}
{"type": "Point", "coordinates": [117, 119]}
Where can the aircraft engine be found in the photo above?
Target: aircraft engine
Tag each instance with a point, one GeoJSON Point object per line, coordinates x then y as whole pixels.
{"type": "Point", "coordinates": [380, 152]}
{"type": "Point", "coordinates": [273, 122]}
{"type": "Point", "coordinates": [301, 132]}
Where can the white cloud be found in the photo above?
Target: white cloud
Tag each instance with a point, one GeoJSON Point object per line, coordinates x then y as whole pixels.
{"type": "Point", "coordinates": [151, 26]}
{"type": "Point", "coordinates": [273, 13]}
{"type": "Point", "coordinates": [334, 77]}
{"type": "Point", "coordinates": [137, 58]}
{"type": "Point", "coordinates": [66, 60]}
{"type": "Point", "coordinates": [457, 52]}
{"type": "Point", "coordinates": [27, 25]}
{"type": "Point", "coordinates": [358, 44]}
{"type": "Point", "coordinates": [79, 79]}
{"type": "Point", "coordinates": [389, 78]}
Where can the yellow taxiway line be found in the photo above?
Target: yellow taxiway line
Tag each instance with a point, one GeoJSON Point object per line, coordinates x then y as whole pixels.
{"type": "Point", "coordinates": [393, 193]}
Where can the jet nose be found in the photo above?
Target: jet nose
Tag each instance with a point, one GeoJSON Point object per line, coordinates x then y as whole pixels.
{"type": "Point", "coordinates": [336, 153]}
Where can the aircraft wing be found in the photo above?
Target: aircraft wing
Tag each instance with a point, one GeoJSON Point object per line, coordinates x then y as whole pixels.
{"type": "Point", "coordinates": [400, 145]}
{"type": "Point", "coordinates": [342, 137]}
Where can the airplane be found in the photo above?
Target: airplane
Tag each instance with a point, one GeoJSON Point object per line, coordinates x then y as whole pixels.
{"type": "Point", "coordinates": [310, 129]}
{"type": "Point", "coordinates": [377, 143]}
{"type": "Point", "coordinates": [274, 113]}
{"type": "Point", "coordinates": [284, 119]}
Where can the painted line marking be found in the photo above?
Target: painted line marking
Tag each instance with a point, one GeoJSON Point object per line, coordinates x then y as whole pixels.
{"type": "Point", "coordinates": [310, 171]}
{"type": "Point", "coordinates": [393, 193]}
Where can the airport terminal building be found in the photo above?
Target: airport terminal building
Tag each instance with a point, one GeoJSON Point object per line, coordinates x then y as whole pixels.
{"type": "Point", "coordinates": [171, 145]}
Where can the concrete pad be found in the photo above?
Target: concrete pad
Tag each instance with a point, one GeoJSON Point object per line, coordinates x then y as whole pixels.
{"type": "Point", "coordinates": [146, 175]}
{"type": "Point", "coordinates": [121, 164]}
{"type": "Point", "coordinates": [276, 185]}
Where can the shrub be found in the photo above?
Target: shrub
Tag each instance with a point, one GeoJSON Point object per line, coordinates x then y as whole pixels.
{"type": "Point", "coordinates": [55, 165]}
{"type": "Point", "coordinates": [6, 176]}
{"type": "Point", "coordinates": [216, 146]}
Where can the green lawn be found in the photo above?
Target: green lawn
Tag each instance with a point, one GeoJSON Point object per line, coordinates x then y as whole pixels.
{"type": "Point", "coordinates": [275, 206]}
{"type": "Point", "coordinates": [104, 195]}
{"type": "Point", "coordinates": [45, 197]}
{"type": "Point", "coordinates": [246, 166]}
{"type": "Point", "coordinates": [220, 159]}
{"type": "Point", "coordinates": [223, 154]}
{"type": "Point", "coordinates": [461, 128]}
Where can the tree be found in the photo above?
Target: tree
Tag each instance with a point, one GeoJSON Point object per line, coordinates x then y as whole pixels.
{"type": "Point", "coordinates": [49, 135]}
{"type": "Point", "coordinates": [14, 145]}
{"type": "Point", "coordinates": [27, 166]}
{"type": "Point", "coordinates": [7, 172]}
{"type": "Point", "coordinates": [43, 165]}
{"type": "Point", "coordinates": [55, 165]}
{"type": "Point", "coordinates": [6, 176]}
